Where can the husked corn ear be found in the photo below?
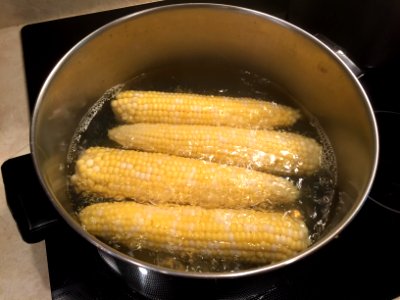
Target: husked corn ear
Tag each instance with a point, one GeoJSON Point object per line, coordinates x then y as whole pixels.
{"type": "Point", "coordinates": [247, 235]}
{"type": "Point", "coordinates": [160, 178]}
{"type": "Point", "coordinates": [264, 150]}
{"type": "Point", "coordinates": [182, 108]}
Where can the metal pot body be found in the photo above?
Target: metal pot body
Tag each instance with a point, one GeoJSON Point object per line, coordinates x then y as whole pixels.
{"type": "Point", "coordinates": [300, 63]}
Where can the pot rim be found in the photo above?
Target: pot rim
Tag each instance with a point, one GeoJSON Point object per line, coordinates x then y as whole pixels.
{"type": "Point", "coordinates": [206, 275]}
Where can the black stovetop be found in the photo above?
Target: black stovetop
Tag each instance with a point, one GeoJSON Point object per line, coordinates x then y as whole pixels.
{"type": "Point", "coordinates": [359, 264]}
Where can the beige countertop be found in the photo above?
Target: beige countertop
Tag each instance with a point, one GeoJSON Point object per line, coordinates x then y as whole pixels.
{"type": "Point", "coordinates": [23, 267]}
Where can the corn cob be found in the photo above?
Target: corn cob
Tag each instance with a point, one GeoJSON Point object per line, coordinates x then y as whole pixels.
{"type": "Point", "coordinates": [181, 108]}
{"type": "Point", "coordinates": [263, 150]}
{"type": "Point", "coordinates": [246, 235]}
{"type": "Point", "coordinates": [160, 178]}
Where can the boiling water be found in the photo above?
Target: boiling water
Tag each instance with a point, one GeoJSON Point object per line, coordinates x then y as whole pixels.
{"type": "Point", "coordinates": [317, 190]}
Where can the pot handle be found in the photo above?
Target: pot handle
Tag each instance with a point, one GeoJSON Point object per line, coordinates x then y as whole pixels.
{"type": "Point", "coordinates": [341, 54]}
{"type": "Point", "coordinates": [26, 199]}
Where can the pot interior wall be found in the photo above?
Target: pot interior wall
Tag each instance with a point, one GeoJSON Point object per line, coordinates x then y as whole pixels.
{"type": "Point", "coordinates": [183, 34]}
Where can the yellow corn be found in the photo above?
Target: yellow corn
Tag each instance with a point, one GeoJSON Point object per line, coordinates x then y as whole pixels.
{"type": "Point", "coordinates": [182, 108]}
{"type": "Point", "coordinates": [245, 235]}
{"type": "Point", "coordinates": [160, 178]}
{"type": "Point", "coordinates": [264, 150]}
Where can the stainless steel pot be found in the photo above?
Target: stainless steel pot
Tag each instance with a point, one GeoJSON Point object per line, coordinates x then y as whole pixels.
{"type": "Point", "coordinates": [299, 62]}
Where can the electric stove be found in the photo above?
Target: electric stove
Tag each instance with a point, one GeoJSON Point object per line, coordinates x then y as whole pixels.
{"type": "Point", "coordinates": [363, 262]}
